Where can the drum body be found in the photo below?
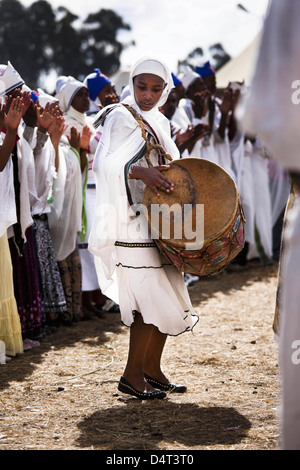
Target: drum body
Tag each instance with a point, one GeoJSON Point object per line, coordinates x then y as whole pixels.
{"type": "Point", "coordinates": [205, 205]}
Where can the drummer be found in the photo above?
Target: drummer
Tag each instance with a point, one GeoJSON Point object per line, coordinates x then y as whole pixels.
{"type": "Point", "coordinates": [154, 301]}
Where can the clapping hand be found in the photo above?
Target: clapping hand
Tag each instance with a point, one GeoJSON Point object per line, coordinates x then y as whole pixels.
{"type": "Point", "coordinates": [85, 138]}
{"type": "Point", "coordinates": [47, 116]}
{"type": "Point", "coordinates": [13, 117]}
{"type": "Point", "coordinates": [74, 138]}
{"type": "Point", "coordinates": [56, 130]}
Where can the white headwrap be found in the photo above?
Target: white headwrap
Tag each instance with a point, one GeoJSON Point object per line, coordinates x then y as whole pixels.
{"type": "Point", "coordinates": [154, 117]}
{"type": "Point", "coordinates": [9, 79]}
{"type": "Point", "coordinates": [155, 67]}
{"type": "Point", "coordinates": [189, 77]}
{"type": "Point", "coordinates": [44, 98]}
{"type": "Point", "coordinates": [67, 91]}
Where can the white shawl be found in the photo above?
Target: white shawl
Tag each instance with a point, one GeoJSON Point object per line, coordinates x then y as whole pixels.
{"type": "Point", "coordinates": [121, 140]}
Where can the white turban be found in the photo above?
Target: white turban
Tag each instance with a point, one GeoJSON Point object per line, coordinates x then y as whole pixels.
{"type": "Point", "coordinates": [9, 79]}
{"type": "Point", "coordinates": [67, 92]}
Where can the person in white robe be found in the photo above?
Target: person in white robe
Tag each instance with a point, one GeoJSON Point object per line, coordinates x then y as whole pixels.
{"type": "Point", "coordinates": [10, 325]}
{"type": "Point", "coordinates": [67, 218]}
{"type": "Point", "coordinates": [20, 236]}
{"type": "Point", "coordinates": [272, 110]}
{"type": "Point", "coordinates": [217, 116]}
{"type": "Point", "coordinates": [75, 102]}
{"type": "Point", "coordinates": [151, 292]}
{"type": "Point", "coordinates": [43, 131]}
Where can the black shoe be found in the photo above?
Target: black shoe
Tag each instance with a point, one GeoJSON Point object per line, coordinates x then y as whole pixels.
{"type": "Point", "coordinates": [125, 387]}
{"type": "Point", "coordinates": [170, 387]}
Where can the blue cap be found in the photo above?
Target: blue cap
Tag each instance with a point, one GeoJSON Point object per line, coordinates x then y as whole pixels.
{"type": "Point", "coordinates": [34, 96]}
{"type": "Point", "coordinates": [205, 70]}
{"type": "Point", "coordinates": [95, 82]}
{"type": "Point", "coordinates": [176, 80]}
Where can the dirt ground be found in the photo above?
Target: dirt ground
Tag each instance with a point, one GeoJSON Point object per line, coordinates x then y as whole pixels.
{"type": "Point", "coordinates": [63, 394]}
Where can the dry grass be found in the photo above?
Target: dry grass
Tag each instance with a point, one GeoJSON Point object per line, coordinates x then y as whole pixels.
{"type": "Point", "coordinates": [63, 395]}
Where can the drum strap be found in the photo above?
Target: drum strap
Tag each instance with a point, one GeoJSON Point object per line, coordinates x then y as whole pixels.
{"type": "Point", "coordinates": [143, 125]}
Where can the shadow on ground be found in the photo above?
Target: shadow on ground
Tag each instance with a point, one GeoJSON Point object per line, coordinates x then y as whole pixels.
{"type": "Point", "coordinates": [23, 365]}
{"type": "Point", "coordinates": [140, 425]}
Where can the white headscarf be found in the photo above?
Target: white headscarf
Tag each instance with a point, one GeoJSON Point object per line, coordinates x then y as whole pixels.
{"type": "Point", "coordinates": [189, 77]}
{"type": "Point", "coordinates": [45, 98]}
{"type": "Point", "coordinates": [154, 117]}
{"type": "Point", "coordinates": [67, 92]}
{"type": "Point", "coordinates": [155, 67]}
{"type": "Point", "coordinates": [9, 78]}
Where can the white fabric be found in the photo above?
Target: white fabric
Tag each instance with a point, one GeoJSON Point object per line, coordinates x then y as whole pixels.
{"type": "Point", "coordinates": [61, 80]}
{"type": "Point", "coordinates": [188, 77]}
{"type": "Point", "coordinates": [8, 215]}
{"type": "Point", "coordinates": [66, 210]}
{"type": "Point", "coordinates": [147, 65]}
{"type": "Point", "coordinates": [45, 173]}
{"type": "Point", "coordinates": [237, 148]}
{"type": "Point", "coordinates": [121, 140]}
{"type": "Point", "coordinates": [246, 189]}
{"type": "Point", "coordinates": [271, 112]}
{"type": "Point", "coordinates": [262, 198]}
{"type": "Point", "coordinates": [289, 340]}
{"type": "Point", "coordinates": [89, 275]}
{"type": "Point", "coordinates": [79, 120]}
{"type": "Point", "coordinates": [45, 98]}
{"type": "Point", "coordinates": [9, 78]}
{"type": "Point", "coordinates": [269, 109]}
{"type": "Point", "coordinates": [67, 92]}
{"type": "Point", "coordinates": [152, 283]}
{"type": "Point", "coordinates": [27, 183]}
{"type": "Point", "coordinates": [180, 118]}
{"type": "Point", "coordinates": [280, 188]}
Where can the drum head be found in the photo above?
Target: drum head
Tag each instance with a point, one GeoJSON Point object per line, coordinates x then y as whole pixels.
{"type": "Point", "coordinates": [200, 208]}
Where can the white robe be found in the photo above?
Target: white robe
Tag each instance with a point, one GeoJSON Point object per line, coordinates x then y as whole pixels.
{"type": "Point", "coordinates": [65, 218]}
{"type": "Point", "coordinates": [89, 275]}
{"type": "Point", "coordinates": [8, 215]}
{"type": "Point", "coordinates": [270, 111]}
{"type": "Point", "coordinates": [136, 278]}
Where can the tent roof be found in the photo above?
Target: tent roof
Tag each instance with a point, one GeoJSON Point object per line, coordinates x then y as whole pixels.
{"type": "Point", "coordinates": [240, 68]}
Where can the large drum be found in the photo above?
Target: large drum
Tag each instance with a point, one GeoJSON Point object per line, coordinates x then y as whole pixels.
{"type": "Point", "coordinates": [200, 225]}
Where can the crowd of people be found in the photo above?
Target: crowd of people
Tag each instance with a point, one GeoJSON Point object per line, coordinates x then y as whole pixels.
{"type": "Point", "coordinates": [48, 190]}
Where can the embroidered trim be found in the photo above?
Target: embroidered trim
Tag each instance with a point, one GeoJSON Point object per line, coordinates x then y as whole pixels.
{"type": "Point", "coordinates": [127, 168]}
{"type": "Point", "coordinates": [135, 245]}
{"type": "Point", "coordinates": [142, 267]}
{"type": "Point", "coordinates": [83, 246]}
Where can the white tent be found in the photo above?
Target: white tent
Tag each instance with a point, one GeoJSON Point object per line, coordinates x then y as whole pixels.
{"type": "Point", "coordinates": [240, 68]}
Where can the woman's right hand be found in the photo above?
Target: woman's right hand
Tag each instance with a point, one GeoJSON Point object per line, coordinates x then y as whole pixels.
{"type": "Point", "coordinates": [153, 178]}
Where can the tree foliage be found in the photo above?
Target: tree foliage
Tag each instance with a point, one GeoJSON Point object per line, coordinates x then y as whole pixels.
{"type": "Point", "coordinates": [38, 39]}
